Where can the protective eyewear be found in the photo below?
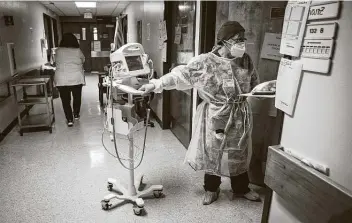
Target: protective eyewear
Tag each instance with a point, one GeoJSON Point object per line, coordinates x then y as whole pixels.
{"type": "Point", "coordinates": [235, 41]}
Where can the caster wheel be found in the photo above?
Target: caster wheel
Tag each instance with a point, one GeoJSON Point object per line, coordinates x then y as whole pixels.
{"type": "Point", "coordinates": [110, 186]}
{"type": "Point", "coordinates": [105, 205]}
{"type": "Point", "coordinates": [138, 210]}
{"type": "Point", "coordinates": [152, 125]}
{"type": "Point", "coordinates": [158, 193]}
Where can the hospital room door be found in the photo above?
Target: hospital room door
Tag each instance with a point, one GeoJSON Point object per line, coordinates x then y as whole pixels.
{"type": "Point", "coordinates": [82, 32]}
{"type": "Point", "coordinates": [102, 36]}
{"type": "Point", "coordinates": [182, 17]}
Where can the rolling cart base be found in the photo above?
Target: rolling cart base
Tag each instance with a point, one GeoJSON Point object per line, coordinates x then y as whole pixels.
{"type": "Point", "coordinates": [135, 196]}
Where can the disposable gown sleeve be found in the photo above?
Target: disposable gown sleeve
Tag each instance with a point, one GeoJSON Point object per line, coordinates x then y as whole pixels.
{"type": "Point", "coordinates": [182, 77]}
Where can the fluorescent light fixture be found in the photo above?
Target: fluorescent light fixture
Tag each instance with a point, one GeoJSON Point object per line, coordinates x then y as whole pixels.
{"type": "Point", "coordinates": [86, 4]}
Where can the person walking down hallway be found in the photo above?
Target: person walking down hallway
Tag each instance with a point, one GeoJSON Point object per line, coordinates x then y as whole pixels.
{"type": "Point", "coordinates": [69, 76]}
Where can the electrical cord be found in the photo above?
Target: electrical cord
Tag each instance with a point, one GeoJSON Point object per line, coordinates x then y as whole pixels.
{"type": "Point", "coordinates": [102, 141]}
{"type": "Point", "coordinates": [111, 71]}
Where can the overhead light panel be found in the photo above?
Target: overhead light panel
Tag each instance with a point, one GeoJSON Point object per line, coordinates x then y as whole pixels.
{"type": "Point", "coordinates": [86, 4]}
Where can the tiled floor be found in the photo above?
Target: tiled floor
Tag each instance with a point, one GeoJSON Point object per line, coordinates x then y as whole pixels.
{"type": "Point", "coordinates": [61, 177]}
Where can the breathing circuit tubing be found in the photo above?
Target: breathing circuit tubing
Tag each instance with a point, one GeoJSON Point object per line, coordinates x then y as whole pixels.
{"type": "Point", "coordinates": [113, 124]}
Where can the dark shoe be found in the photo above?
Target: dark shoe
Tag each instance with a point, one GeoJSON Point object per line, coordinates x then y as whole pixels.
{"type": "Point", "coordinates": [76, 117]}
{"type": "Point", "coordinates": [210, 197]}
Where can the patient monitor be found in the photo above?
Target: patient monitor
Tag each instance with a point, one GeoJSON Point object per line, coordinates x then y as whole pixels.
{"type": "Point", "coordinates": [130, 61]}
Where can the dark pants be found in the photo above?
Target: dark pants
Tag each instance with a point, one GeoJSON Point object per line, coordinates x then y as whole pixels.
{"type": "Point", "coordinates": [239, 184]}
{"type": "Point", "coordinates": [65, 95]}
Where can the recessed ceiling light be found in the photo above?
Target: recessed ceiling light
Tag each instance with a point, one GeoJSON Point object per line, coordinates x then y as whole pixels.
{"type": "Point", "coordinates": [86, 4]}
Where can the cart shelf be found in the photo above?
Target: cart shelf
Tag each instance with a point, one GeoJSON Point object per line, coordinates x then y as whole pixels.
{"type": "Point", "coordinates": [34, 100]}
{"type": "Point", "coordinates": [45, 98]}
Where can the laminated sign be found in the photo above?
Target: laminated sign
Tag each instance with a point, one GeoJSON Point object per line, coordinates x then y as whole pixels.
{"type": "Point", "coordinates": [271, 46]}
{"type": "Point", "coordinates": [288, 79]}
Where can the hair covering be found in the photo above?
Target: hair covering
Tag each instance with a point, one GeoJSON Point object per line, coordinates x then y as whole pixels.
{"type": "Point", "coordinates": [228, 30]}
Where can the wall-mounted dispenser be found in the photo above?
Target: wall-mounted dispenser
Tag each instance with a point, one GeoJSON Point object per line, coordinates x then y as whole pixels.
{"type": "Point", "coordinates": [10, 47]}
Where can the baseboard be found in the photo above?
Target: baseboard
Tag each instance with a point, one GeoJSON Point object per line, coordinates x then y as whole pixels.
{"type": "Point", "coordinates": [9, 128]}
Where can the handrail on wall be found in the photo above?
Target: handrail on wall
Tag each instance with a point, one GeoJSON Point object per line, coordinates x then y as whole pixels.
{"type": "Point", "coordinates": [310, 195]}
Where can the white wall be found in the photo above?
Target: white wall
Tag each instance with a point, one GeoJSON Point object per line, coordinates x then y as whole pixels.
{"type": "Point", "coordinates": [149, 12]}
{"type": "Point", "coordinates": [26, 33]}
{"type": "Point", "coordinates": [322, 125]}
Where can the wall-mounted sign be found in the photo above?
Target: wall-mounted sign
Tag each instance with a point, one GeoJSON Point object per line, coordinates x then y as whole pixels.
{"type": "Point", "coordinates": [271, 46]}
{"type": "Point", "coordinates": [316, 65]}
{"type": "Point", "coordinates": [277, 13]}
{"type": "Point", "coordinates": [321, 49]}
{"type": "Point", "coordinates": [109, 26]}
{"type": "Point", "coordinates": [8, 20]}
{"type": "Point", "coordinates": [294, 26]}
{"type": "Point", "coordinates": [148, 31]}
{"type": "Point", "coordinates": [323, 10]}
{"type": "Point", "coordinates": [321, 31]}
{"type": "Point", "coordinates": [88, 15]}
{"type": "Point", "coordinates": [83, 33]}
{"type": "Point", "coordinates": [288, 78]}
{"type": "Point", "coordinates": [177, 35]}
{"type": "Point", "coordinates": [12, 58]}
{"type": "Point", "coordinates": [96, 46]}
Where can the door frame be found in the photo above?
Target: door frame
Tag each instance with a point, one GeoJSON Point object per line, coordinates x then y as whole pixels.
{"type": "Point", "coordinates": [166, 117]}
{"type": "Point", "coordinates": [169, 14]}
{"type": "Point", "coordinates": [207, 31]}
{"type": "Point", "coordinates": [204, 41]}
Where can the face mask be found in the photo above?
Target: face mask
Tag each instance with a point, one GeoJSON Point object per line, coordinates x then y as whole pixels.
{"type": "Point", "coordinates": [238, 49]}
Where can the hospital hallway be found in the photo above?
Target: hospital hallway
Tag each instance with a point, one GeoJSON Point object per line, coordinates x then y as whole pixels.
{"type": "Point", "coordinates": [62, 177]}
{"type": "Point", "coordinates": [258, 90]}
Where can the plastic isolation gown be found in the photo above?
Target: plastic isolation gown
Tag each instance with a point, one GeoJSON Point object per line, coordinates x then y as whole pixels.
{"type": "Point", "coordinates": [223, 121]}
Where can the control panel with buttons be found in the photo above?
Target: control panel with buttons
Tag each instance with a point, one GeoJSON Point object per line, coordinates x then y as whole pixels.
{"type": "Point", "coordinates": [320, 49]}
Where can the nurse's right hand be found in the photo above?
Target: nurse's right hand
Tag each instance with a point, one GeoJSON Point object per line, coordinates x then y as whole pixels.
{"type": "Point", "coordinates": [147, 88]}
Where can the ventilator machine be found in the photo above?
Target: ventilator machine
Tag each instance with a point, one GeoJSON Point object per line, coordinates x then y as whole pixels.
{"type": "Point", "coordinates": [130, 68]}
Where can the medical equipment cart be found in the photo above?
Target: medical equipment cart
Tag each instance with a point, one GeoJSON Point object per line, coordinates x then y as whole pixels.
{"type": "Point", "coordinates": [128, 64]}
{"type": "Point", "coordinates": [45, 84]}
{"type": "Point", "coordinates": [131, 192]}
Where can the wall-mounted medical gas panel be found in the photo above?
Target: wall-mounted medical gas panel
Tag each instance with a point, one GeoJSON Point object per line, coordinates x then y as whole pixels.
{"type": "Point", "coordinates": [320, 49]}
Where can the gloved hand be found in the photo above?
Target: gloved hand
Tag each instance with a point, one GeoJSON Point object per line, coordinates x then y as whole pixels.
{"type": "Point", "coordinates": [265, 86]}
{"type": "Point", "coordinates": [147, 88]}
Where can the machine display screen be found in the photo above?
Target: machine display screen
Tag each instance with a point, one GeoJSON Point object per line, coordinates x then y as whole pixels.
{"type": "Point", "coordinates": [134, 63]}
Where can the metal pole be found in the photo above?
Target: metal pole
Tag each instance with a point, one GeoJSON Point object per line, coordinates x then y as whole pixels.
{"type": "Point", "coordinates": [131, 188]}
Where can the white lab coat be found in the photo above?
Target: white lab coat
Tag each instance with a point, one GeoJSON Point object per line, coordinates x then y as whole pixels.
{"type": "Point", "coordinates": [69, 67]}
